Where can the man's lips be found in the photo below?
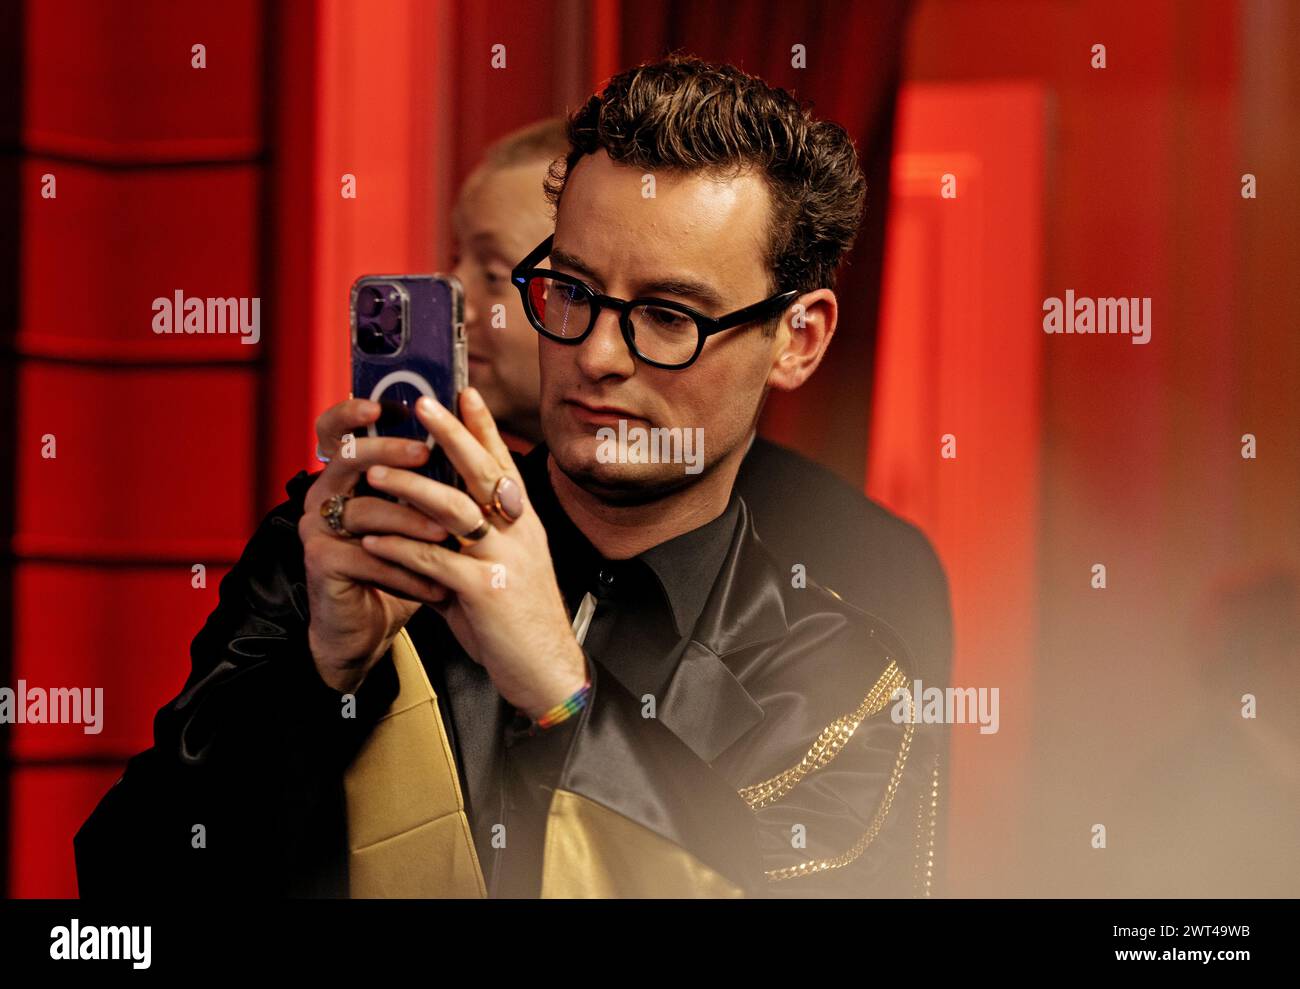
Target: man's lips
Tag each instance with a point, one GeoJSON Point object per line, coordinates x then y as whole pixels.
{"type": "Point", "coordinates": [601, 415]}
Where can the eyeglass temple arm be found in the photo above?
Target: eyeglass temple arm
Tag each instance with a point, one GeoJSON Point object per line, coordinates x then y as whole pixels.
{"type": "Point", "coordinates": [749, 313]}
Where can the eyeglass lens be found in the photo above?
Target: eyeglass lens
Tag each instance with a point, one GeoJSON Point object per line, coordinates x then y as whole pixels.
{"type": "Point", "coordinates": [659, 334]}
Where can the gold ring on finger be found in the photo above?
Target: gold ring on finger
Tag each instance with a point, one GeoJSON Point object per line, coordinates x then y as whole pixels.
{"type": "Point", "coordinates": [331, 511]}
{"type": "Point", "coordinates": [475, 534]}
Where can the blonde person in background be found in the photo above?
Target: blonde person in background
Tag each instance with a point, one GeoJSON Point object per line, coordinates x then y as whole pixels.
{"type": "Point", "coordinates": [500, 215]}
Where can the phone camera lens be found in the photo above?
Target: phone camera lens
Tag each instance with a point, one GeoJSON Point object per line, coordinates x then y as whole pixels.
{"type": "Point", "coordinates": [379, 319]}
{"type": "Point", "coordinates": [370, 300]}
{"type": "Point", "coordinates": [389, 319]}
{"type": "Point", "coordinates": [370, 339]}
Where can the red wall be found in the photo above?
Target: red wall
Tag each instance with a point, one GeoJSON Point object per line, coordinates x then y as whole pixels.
{"type": "Point", "coordinates": [160, 172]}
{"type": "Point", "coordinates": [1111, 698]}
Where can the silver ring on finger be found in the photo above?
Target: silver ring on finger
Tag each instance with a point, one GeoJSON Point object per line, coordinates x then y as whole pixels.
{"type": "Point", "coordinates": [331, 511]}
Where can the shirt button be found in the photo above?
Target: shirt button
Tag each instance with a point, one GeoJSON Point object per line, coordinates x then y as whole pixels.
{"type": "Point", "coordinates": [607, 578]}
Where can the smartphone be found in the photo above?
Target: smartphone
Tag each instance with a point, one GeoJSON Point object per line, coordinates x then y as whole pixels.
{"type": "Point", "coordinates": [408, 340]}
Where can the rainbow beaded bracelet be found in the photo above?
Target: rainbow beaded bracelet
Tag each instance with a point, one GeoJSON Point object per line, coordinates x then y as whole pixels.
{"type": "Point", "coordinates": [562, 711]}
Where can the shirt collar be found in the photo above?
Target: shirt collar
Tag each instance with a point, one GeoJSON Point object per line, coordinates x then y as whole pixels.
{"type": "Point", "coordinates": [684, 567]}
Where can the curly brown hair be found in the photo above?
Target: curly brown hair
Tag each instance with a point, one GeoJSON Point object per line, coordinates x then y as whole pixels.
{"type": "Point", "coordinates": [684, 113]}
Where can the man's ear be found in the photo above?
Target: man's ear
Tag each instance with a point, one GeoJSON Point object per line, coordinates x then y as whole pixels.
{"type": "Point", "coordinates": [802, 338]}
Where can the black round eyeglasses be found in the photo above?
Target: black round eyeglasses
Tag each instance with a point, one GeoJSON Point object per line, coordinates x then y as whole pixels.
{"type": "Point", "coordinates": [661, 332]}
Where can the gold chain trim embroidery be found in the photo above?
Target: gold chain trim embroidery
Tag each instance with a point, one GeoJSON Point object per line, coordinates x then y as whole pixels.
{"type": "Point", "coordinates": [926, 820]}
{"type": "Point", "coordinates": [868, 836]}
{"type": "Point", "coordinates": [829, 743]}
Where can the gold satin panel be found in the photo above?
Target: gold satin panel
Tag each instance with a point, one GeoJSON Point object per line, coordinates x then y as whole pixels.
{"type": "Point", "coordinates": [593, 852]}
{"type": "Point", "coordinates": [408, 834]}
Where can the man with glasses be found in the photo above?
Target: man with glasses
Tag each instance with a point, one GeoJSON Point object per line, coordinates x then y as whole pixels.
{"type": "Point", "coordinates": [873, 558]}
{"type": "Point", "coordinates": [608, 687]}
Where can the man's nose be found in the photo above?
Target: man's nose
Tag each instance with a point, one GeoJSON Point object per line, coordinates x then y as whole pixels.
{"type": "Point", "coordinates": [605, 352]}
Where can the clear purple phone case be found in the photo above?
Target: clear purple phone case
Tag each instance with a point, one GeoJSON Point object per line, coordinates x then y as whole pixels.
{"type": "Point", "coordinates": [408, 340]}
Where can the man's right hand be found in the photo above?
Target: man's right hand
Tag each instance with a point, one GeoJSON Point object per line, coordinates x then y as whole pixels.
{"type": "Point", "coordinates": [359, 602]}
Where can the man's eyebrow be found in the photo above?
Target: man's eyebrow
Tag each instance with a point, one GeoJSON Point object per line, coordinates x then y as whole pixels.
{"type": "Point", "coordinates": [576, 263]}
{"type": "Point", "coordinates": [685, 287]}
{"type": "Point", "coordinates": [698, 291]}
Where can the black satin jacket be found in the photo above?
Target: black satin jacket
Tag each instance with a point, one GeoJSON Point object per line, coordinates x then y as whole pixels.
{"type": "Point", "coordinates": [776, 763]}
